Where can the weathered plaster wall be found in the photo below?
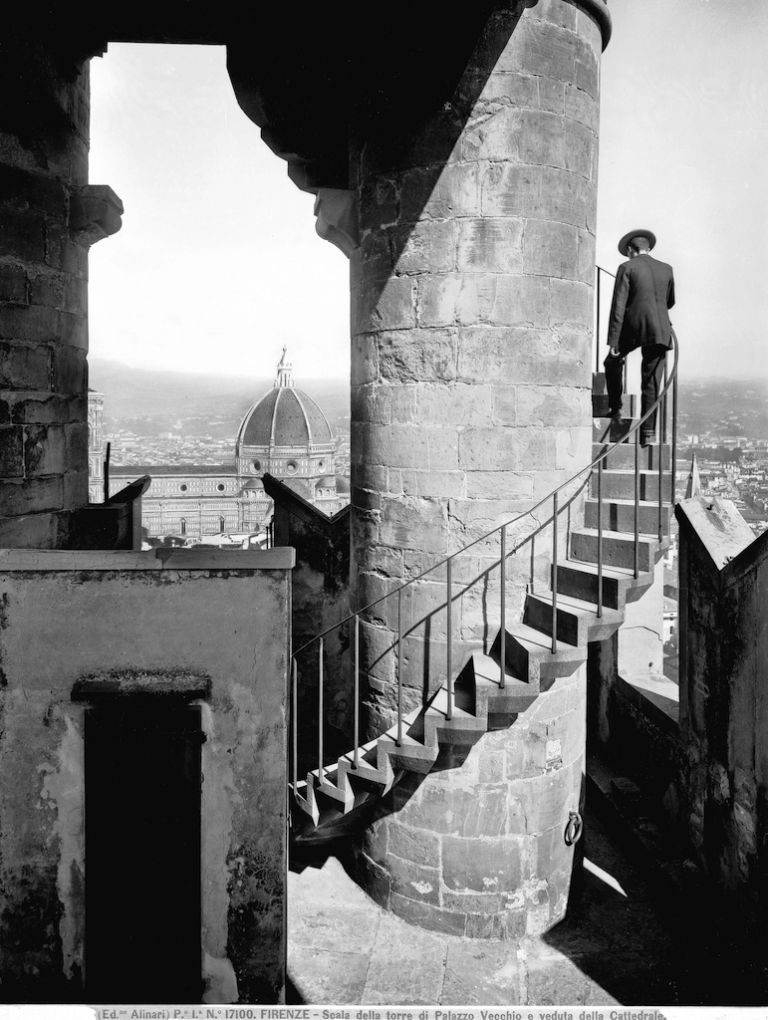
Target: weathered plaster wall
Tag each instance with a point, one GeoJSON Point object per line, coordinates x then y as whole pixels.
{"type": "Point", "coordinates": [472, 321]}
{"type": "Point", "coordinates": [138, 621]}
{"type": "Point", "coordinates": [724, 707]}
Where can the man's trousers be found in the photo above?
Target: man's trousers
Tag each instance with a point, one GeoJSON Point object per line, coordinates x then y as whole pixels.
{"type": "Point", "coordinates": [652, 370]}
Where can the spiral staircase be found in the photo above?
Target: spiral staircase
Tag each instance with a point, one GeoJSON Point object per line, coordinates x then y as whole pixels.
{"type": "Point", "coordinates": [628, 493]}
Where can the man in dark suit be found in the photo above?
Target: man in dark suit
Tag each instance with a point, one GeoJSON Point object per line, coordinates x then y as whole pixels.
{"type": "Point", "coordinates": [643, 293]}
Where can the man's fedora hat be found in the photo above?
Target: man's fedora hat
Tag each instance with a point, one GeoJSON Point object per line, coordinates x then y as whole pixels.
{"type": "Point", "coordinates": [624, 242]}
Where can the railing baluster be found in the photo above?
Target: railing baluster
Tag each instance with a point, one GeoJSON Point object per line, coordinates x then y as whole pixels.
{"type": "Point", "coordinates": [554, 572]}
{"type": "Point", "coordinates": [399, 666]}
{"type": "Point", "coordinates": [295, 725]}
{"type": "Point", "coordinates": [503, 613]}
{"type": "Point", "coordinates": [673, 487]}
{"type": "Point", "coordinates": [663, 410]}
{"type": "Point", "coordinates": [356, 753]}
{"type": "Point", "coordinates": [597, 323]}
{"type": "Point", "coordinates": [449, 637]}
{"type": "Point", "coordinates": [320, 772]}
{"type": "Point", "coordinates": [600, 538]}
{"type": "Point", "coordinates": [663, 430]}
{"type": "Point", "coordinates": [636, 549]}
{"type": "Point", "coordinates": [533, 560]}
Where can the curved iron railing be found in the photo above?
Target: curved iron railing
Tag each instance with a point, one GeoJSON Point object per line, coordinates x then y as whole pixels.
{"type": "Point", "coordinates": [660, 406]}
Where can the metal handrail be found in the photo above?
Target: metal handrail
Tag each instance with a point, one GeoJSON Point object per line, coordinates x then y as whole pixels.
{"type": "Point", "coordinates": [660, 404]}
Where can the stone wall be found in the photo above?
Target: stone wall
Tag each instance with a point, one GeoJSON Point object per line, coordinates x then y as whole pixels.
{"type": "Point", "coordinates": [472, 322]}
{"type": "Point", "coordinates": [48, 218]}
{"type": "Point", "coordinates": [724, 712]}
{"type": "Point", "coordinates": [210, 626]}
{"type": "Point", "coordinates": [477, 847]}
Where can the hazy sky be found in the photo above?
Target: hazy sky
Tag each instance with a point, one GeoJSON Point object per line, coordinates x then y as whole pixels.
{"type": "Point", "coordinates": [218, 264]}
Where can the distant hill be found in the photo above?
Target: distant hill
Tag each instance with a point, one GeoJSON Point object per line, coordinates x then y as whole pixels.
{"type": "Point", "coordinates": [132, 393]}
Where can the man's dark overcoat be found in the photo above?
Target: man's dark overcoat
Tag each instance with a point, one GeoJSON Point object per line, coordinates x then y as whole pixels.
{"type": "Point", "coordinates": [644, 290]}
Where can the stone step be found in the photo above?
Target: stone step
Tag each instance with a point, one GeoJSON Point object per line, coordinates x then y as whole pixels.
{"type": "Point", "coordinates": [580, 581]}
{"type": "Point", "coordinates": [618, 548]}
{"type": "Point", "coordinates": [616, 430]}
{"type": "Point", "coordinates": [623, 456]}
{"type": "Point", "coordinates": [630, 405]}
{"type": "Point", "coordinates": [619, 515]}
{"type": "Point", "coordinates": [480, 685]}
{"type": "Point", "coordinates": [529, 653]}
{"type": "Point", "coordinates": [577, 620]}
{"type": "Point", "coordinates": [621, 485]}
{"type": "Point", "coordinates": [410, 753]}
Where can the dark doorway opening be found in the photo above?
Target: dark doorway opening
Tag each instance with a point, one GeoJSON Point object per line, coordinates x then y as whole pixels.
{"type": "Point", "coordinates": [142, 851]}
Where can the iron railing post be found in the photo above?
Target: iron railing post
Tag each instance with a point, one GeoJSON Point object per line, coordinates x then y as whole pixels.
{"type": "Point", "coordinates": [399, 666]}
{"type": "Point", "coordinates": [503, 612]}
{"type": "Point", "coordinates": [636, 549]}
{"type": "Point", "coordinates": [663, 410]}
{"type": "Point", "coordinates": [673, 494]}
{"type": "Point", "coordinates": [554, 572]}
{"type": "Point", "coordinates": [295, 725]}
{"type": "Point", "coordinates": [533, 560]}
{"type": "Point", "coordinates": [597, 323]}
{"type": "Point", "coordinates": [320, 710]}
{"type": "Point", "coordinates": [449, 638]}
{"type": "Point", "coordinates": [663, 430]}
{"type": "Point", "coordinates": [356, 745]}
{"type": "Point", "coordinates": [600, 538]}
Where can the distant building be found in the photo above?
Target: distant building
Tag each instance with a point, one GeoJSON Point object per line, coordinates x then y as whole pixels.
{"type": "Point", "coordinates": [285, 434]}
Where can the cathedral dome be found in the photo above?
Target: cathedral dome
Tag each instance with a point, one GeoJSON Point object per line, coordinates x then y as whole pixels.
{"type": "Point", "coordinates": [284, 417]}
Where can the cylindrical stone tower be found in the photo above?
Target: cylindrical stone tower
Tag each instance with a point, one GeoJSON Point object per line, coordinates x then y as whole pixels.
{"type": "Point", "coordinates": [471, 400]}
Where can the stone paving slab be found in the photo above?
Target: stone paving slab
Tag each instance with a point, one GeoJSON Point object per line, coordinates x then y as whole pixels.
{"type": "Point", "coordinates": [343, 949]}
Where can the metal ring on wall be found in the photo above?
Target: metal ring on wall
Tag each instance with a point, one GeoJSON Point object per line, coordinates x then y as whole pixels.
{"type": "Point", "coordinates": [574, 828]}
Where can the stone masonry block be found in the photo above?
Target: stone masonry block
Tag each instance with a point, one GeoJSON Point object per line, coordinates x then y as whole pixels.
{"type": "Point", "coordinates": [44, 449]}
{"type": "Point", "coordinates": [73, 330]}
{"type": "Point", "coordinates": [499, 485]}
{"type": "Point", "coordinates": [414, 845]}
{"type": "Point", "coordinates": [14, 286]}
{"type": "Point", "coordinates": [22, 190]}
{"type": "Point", "coordinates": [552, 95]}
{"type": "Point", "coordinates": [31, 496]}
{"type": "Point", "coordinates": [426, 915]}
{"type": "Point", "coordinates": [76, 438]}
{"type": "Point", "coordinates": [580, 148]}
{"type": "Point", "coordinates": [379, 203]}
{"type": "Point", "coordinates": [495, 135]}
{"type": "Point", "coordinates": [482, 865]}
{"type": "Point", "coordinates": [453, 404]}
{"type": "Point", "coordinates": [585, 258]}
{"type": "Point", "coordinates": [440, 192]}
{"type": "Point", "coordinates": [544, 405]}
{"type": "Point", "coordinates": [22, 235]}
{"type": "Point", "coordinates": [425, 247]}
{"type": "Point", "coordinates": [385, 306]}
{"type": "Point", "coordinates": [414, 523]}
{"type": "Point", "coordinates": [542, 138]}
{"type": "Point", "coordinates": [571, 302]}
{"type": "Point", "coordinates": [508, 189]}
{"type": "Point", "coordinates": [490, 246]}
{"type": "Point", "coordinates": [69, 370]}
{"type": "Point", "coordinates": [587, 69]}
{"type": "Point", "coordinates": [487, 91]}
{"type": "Point", "coordinates": [472, 902]}
{"type": "Point", "coordinates": [581, 107]}
{"type": "Point", "coordinates": [556, 13]}
{"type": "Point", "coordinates": [486, 813]}
{"type": "Point", "coordinates": [36, 531]}
{"type": "Point", "coordinates": [25, 367]}
{"type": "Point", "coordinates": [429, 484]}
{"type": "Point", "coordinates": [550, 249]}
{"type": "Point", "coordinates": [395, 445]}
{"type": "Point", "coordinates": [417, 356]}
{"type": "Point", "coordinates": [434, 811]}
{"type": "Point", "coordinates": [504, 405]}
{"type": "Point", "coordinates": [543, 50]}
{"type": "Point", "coordinates": [48, 411]}
{"type": "Point", "coordinates": [415, 881]}
{"type": "Point", "coordinates": [32, 323]}
{"type": "Point", "coordinates": [11, 452]}
{"type": "Point", "coordinates": [48, 289]}
{"type": "Point", "coordinates": [489, 450]}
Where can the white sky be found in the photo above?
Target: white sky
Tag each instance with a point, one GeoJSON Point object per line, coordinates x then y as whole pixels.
{"type": "Point", "coordinates": [218, 264]}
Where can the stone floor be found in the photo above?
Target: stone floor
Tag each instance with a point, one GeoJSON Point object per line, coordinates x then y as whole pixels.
{"type": "Point", "coordinates": [616, 946]}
